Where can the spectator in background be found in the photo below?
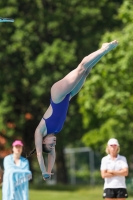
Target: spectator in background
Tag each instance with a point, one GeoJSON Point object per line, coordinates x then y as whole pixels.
{"type": "Point", "coordinates": [114, 169]}
{"type": "Point", "coordinates": [16, 174]}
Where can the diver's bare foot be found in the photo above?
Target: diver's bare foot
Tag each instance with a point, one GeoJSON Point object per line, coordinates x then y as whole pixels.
{"type": "Point", "coordinates": [109, 46]}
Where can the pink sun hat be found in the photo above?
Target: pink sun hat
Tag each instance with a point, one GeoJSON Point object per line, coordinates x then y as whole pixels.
{"type": "Point", "coordinates": [17, 142]}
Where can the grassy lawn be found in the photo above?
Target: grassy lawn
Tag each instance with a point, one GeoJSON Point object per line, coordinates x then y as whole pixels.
{"type": "Point", "coordinates": [76, 194]}
{"type": "Point", "coordinates": [66, 193]}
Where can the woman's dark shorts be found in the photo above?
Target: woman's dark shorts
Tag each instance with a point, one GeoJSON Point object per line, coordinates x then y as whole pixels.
{"type": "Point", "coordinates": [115, 193]}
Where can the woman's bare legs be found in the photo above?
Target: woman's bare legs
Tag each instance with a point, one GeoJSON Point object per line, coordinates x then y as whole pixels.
{"type": "Point", "coordinates": [76, 77]}
{"type": "Point", "coordinates": [80, 83]}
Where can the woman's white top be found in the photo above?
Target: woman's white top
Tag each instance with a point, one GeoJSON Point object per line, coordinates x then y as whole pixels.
{"type": "Point", "coordinates": [108, 164]}
{"type": "Point", "coordinates": [18, 163]}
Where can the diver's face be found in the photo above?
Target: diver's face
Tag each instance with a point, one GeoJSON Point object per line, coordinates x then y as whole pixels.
{"type": "Point", "coordinates": [50, 142]}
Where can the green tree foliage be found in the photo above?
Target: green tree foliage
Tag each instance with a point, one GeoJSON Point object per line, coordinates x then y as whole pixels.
{"type": "Point", "coordinates": [106, 101]}
{"type": "Point", "coordinates": [46, 41]}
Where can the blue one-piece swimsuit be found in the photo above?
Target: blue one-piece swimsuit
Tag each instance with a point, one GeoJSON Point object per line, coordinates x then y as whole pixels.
{"type": "Point", "coordinates": [56, 121]}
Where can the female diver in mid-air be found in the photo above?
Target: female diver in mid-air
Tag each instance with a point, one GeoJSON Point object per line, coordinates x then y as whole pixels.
{"type": "Point", "coordinates": [54, 117]}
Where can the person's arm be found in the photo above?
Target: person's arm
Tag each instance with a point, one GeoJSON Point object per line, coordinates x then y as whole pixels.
{"type": "Point", "coordinates": [124, 168]}
{"type": "Point", "coordinates": [103, 168]}
{"type": "Point", "coordinates": [106, 174]}
{"type": "Point", "coordinates": [38, 144]}
{"type": "Point", "coordinates": [122, 172]}
{"type": "Point", "coordinates": [8, 162]}
{"type": "Point", "coordinates": [51, 160]}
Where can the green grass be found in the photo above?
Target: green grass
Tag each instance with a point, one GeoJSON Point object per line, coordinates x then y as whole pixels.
{"type": "Point", "coordinates": [81, 194]}
{"type": "Point", "coordinates": [66, 193]}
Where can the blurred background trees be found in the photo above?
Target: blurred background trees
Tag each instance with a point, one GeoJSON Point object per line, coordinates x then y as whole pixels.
{"type": "Point", "coordinates": [109, 113]}
{"type": "Point", "coordinates": [47, 40]}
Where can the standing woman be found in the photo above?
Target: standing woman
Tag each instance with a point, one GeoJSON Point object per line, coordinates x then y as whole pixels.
{"type": "Point", "coordinates": [16, 174]}
{"type": "Point", "coordinates": [114, 169]}
{"type": "Point", "coordinates": [54, 117]}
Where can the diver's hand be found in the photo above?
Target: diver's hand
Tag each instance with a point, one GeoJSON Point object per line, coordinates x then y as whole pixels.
{"type": "Point", "coordinates": [46, 175]}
